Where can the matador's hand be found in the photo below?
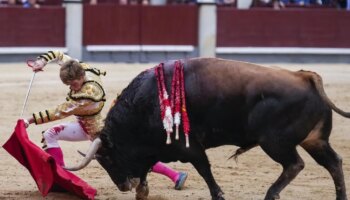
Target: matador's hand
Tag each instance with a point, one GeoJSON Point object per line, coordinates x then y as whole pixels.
{"type": "Point", "coordinates": [38, 65]}
{"type": "Point", "coordinates": [26, 123]}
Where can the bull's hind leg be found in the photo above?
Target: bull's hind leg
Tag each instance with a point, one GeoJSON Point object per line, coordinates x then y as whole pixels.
{"type": "Point", "coordinates": [324, 155]}
{"type": "Point", "coordinates": [317, 145]}
{"type": "Point", "coordinates": [291, 162]}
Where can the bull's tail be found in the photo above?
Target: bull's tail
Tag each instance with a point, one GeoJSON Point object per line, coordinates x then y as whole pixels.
{"type": "Point", "coordinates": [242, 150]}
{"type": "Point", "coordinates": [317, 80]}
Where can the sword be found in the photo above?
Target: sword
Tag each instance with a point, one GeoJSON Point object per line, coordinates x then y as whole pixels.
{"type": "Point", "coordinates": [29, 63]}
{"type": "Point", "coordinates": [27, 95]}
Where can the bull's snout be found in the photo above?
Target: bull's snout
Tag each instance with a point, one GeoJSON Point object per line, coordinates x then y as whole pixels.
{"type": "Point", "coordinates": [124, 187]}
{"type": "Point", "coordinates": [129, 184]}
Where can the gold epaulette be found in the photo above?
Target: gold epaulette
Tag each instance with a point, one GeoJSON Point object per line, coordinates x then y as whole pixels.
{"type": "Point", "coordinates": [96, 71]}
{"type": "Point", "coordinates": [91, 90]}
{"type": "Point", "coordinates": [93, 70]}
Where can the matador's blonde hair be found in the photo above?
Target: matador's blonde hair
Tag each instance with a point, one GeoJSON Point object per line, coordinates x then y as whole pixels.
{"type": "Point", "coordinates": [71, 70]}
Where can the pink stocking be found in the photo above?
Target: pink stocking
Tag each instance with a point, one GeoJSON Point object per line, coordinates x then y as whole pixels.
{"type": "Point", "coordinates": [161, 168]}
{"type": "Point", "coordinates": [57, 154]}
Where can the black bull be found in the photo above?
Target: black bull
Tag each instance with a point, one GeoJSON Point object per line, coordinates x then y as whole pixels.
{"type": "Point", "coordinates": [228, 103]}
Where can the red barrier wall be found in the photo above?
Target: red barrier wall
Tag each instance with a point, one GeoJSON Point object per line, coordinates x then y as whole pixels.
{"type": "Point", "coordinates": [175, 25]}
{"type": "Point", "coordinates": [284, 28]}
{"type": "Point", "coordinates": [129, 25]}
{"type": "Point", "coordinates": [112, 24]}
{"type": "Point", "coordinates": [32, 27]}
{"type": "Point", "coordinates": [109, 24]}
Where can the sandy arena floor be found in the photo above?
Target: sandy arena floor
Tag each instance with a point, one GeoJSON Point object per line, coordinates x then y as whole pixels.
{"type": "Point", "coordinates": [248, 179]}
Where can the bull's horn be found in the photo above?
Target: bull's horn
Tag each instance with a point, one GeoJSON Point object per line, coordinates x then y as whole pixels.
{"type": "Point", "coordinates": [83, 154]}
{"type": "Point", "coordinates": [89, 156]}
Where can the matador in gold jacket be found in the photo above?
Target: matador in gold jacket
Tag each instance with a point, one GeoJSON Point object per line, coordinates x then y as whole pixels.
{"type": "Point", "coordinates": [85, 100]}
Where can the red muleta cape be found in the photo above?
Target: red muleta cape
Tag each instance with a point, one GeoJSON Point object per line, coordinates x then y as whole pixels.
{"type": "Point", "coordinates": [48, 176]}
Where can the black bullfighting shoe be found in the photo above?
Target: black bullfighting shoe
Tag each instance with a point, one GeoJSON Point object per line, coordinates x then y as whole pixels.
{"type": "Point", "coordinates": [43, 141]}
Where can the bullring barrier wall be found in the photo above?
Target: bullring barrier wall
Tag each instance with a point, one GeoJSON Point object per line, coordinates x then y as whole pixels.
{"type": "Point", "coordinates": [153, 33]}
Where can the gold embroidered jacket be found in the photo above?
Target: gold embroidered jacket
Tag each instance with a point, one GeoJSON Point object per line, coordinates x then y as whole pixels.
{"type": "Point", "coordinates": [86, 104]}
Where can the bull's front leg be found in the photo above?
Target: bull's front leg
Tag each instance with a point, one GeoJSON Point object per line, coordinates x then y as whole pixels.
{"type": "Point", "coordinates": [142, 189]}
{"type": "Point", "coordinates": [201, 163]}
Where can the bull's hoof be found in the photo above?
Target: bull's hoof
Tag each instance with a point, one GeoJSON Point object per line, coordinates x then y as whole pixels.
{"type": "Point", "coordinates": [272, 197]}
{"type": "Point", "coordinates": [125, 187]}
{"type": "Point", "coordinates": [219, 197]}
{"type": "Point", "coordinates": [142, 191]}
{"type": "Point", "coordinates": [140, 198]}
{"type": "Point", "coordinates": [342, 198]}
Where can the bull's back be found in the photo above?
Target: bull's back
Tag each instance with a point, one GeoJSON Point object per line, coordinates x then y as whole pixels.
{"type": "Point", "coordinates": [231, 96]}
{"type": "Point", "coordinates": [215, 78]}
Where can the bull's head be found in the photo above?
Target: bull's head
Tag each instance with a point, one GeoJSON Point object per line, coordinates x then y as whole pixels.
{"type": "Point", "coordinates": [124, 173]}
